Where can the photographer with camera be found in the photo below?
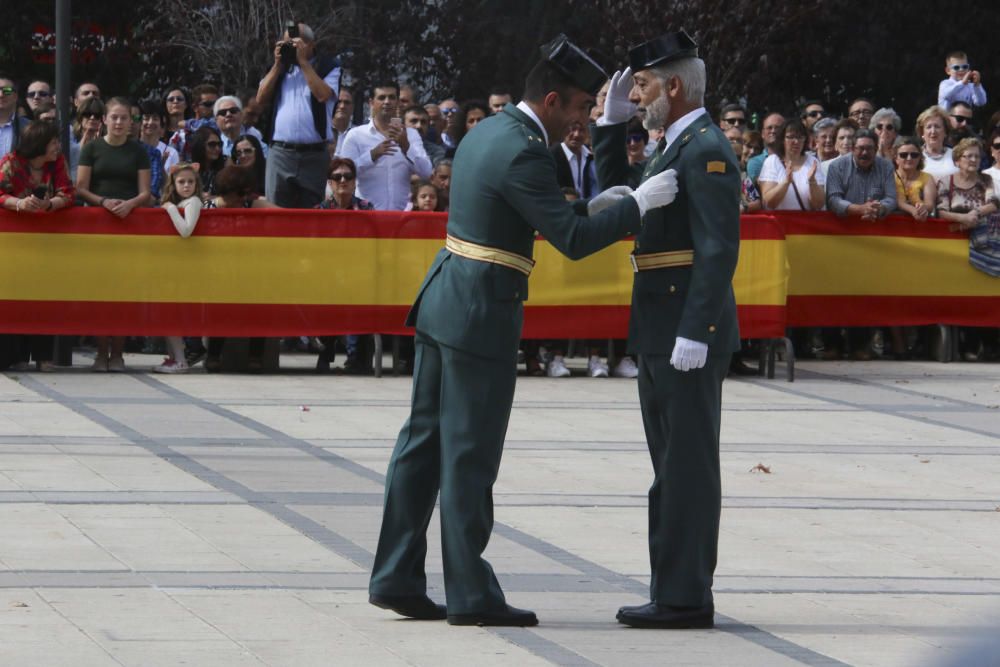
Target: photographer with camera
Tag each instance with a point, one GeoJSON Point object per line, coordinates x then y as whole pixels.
{"type": "Point", "coordinates": [301, 88]}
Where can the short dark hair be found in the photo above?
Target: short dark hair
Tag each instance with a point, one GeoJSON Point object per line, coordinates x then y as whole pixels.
{"type": "Point", "coordinates": [35, 139]}
{"type": "Point", "coordinates": [545, 78]}
{"type": "Point", "coordinates": [416, 108]}
{"type": "Point", "coordinates": [794, 126]}
{"type": "Point", "coordinates": [384, 83]}
{"type": "Point", "coordinates": [153, 108]}
{"type": "Point", "coordinates": [865, 133]}
{"type": "Point", "coordinates": [732, 106]}
{"type": "Point", "coordinates": [13, 81]}
{"type": "Point", "coordinates": [234, 180]}
{"type": "Point", "coordinates": [202, 89]}
{"type": "Point", "coordinates": [960, 103]}
{"type": "Point", "coordinates": [861, 99]}
{"type": "Point", "coordinates": [338, 162]}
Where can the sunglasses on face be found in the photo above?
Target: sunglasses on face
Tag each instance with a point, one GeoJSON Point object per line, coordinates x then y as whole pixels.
{"type": "Point", "coordinates": [961, 120]}
{"type": "Point", "coordinates": [243, 152]}
{"type": "Point", "coordinates": [33, 94]}
{"type": "Point", "coordinates": [207, 103]}
{"type": "Point", "coordinates": [996, 145]}
{"type": "Point", "coordinates": [213, 144]}
{"type": "Point", "coordinates": [230, 111]}
{"type": "Point", "coordinates": [635, 139]}
{"type": "Point", "coordinates": [7, 90]}
{"type": "Point", "coordinates": [813, 114]}
{"type": "Point", "coordinates": [341, 177]}
{"type": "Point", "coordinates": [908, 156]}
{"type": "Point", "coordinates": [735, 121]}
{"type": "Point", "coordinates": [136, 119]}
{"type": "Point", "coordinates": [860, 112]}
{"type": "Point", "coordinates": [882, 127]}
{"type": "Point", "coordinates": [448, 112]}
{"type": "Point", "coordinates": [960, 68]}
{"type": "Point", "coordinates": [90, 115]}
{"type": "Point", "coordinates": [176, 99]}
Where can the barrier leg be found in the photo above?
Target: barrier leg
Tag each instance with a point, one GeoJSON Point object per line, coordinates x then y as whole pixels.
{"type": "Point", "coordinates": [772, 352]}
{"type": "Point", "coordinates": [611, 354]}
{"type": "Point", "coordinates": [395, 356]}
{"type": "Point", "coordinates": [378, 354]}
{"type": "Point", "coordinates": [762, 348]}
{"type": "Point", "coordinates": [789, 359]}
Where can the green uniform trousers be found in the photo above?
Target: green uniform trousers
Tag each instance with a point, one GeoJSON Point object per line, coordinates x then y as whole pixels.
{"type": "Point", "coordinates": [681, 413]}
{"type": "Point", "coordinates": [452, 441]}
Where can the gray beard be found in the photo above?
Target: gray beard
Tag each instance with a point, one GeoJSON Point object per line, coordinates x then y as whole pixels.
{"type": "Point", "coordinates": [656, 114]}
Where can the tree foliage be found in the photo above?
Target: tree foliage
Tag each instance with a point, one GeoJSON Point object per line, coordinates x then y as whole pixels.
{"type": "Point", "coordinates": [770, 56]}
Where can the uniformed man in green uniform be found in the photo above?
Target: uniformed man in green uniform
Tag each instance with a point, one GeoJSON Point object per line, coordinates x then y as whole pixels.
{"type": "Point", "coordinates": [683, 322]}
{"type": "Point", "coordinates": [468, 315]}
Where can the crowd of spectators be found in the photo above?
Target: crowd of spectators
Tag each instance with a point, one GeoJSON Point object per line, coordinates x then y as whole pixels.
{"type": "Point", "coordinates": [301, 141]}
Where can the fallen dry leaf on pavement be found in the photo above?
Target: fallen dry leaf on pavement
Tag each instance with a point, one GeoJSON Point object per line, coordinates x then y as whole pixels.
{"type": "Point", "coordinates": [761, 468]}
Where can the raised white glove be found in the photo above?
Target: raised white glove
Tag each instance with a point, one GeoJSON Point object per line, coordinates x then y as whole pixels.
{"type": "Point", "coordinates": [688, 354]}
{"type": "Point", "coordinates": [607, 198]}
{"type": "Point", "coordinates": [617, 106]}
{"type": "Point", "coordinates": [656, 191]}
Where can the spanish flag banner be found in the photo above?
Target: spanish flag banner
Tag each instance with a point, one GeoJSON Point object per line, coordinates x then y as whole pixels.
{"type": "Point", "coordinates": [270, 272]}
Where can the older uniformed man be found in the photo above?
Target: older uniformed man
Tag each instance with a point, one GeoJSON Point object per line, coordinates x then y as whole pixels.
{"type": "Point", "coordinates": [683, 323]}
{"type": "Point", "coordinates": [468, 317]}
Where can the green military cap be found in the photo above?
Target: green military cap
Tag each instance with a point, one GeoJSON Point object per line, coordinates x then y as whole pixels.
{"type": "Point", "coordinates": [574, 63]}
{"type": "Point", "coordinates": [662, 50]}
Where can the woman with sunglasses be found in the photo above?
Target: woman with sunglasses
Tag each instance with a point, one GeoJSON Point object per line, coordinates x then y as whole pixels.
{"type": "Point", "coordinates": [916, 192]}
{"type": "Point", "coordinates": [248, 152]}
{"type": "Point", "coordinates": [886, 124]}
{"type": "Point", "coordinates": [88, 124]}
{"type": "Point", "coordinates": [206, 152]}
{"type": "Point", "coordinates": [343, 181]}
{"type": "Point", "coordinates": [994, 148]}
{"type": "Point", "coordinates": [114, 173]}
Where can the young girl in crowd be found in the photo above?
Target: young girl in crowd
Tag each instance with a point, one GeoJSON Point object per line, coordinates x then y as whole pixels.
{"type": "Point", "coordinates": [182, 200]}
{"type": "Point", "coordinates": [425, 197]}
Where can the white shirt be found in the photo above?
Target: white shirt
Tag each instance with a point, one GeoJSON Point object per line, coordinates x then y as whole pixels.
{"type": "Point", "coordinates": [681, 124]}
{"type": "Point", "coordinates": [577, 167]}
{"type": "Point", "coordinates": [773, 171]}
{"type": "Point", "coordinates": [340, 140]}
{"type": "Point", "coordinates": [294, 121]}
{"type": "Point", "coordinates": [385, 182]}
{"type": "Point", "coordinates": [994, 173]}
{"type": "Point", "coordinates": [529, 112]}
{"type": "Point", "coordinates": [170, 156]}
{"type": "Point", "coordinates": [941, 166]}
{"type": "Point", "coordinates": [951, 91]}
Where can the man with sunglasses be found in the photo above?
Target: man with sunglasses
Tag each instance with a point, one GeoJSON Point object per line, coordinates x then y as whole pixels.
{"type": "Point", "coordinates": [960, 116]}
{"type": "Point", "coordinates": [810, 112]}
{"type": "Point", "coordinates": [733, 115]}
{"type": "Point", "coordinates": [228, 111]}
{"type": "Point", "coordinates": [963, 84]}
{"type": "Point", "coordinates": [37, 93]}
{"type": "Point", "coordinates": [11, 124]}
{"type": "Point", "coordinates": [449, 123]}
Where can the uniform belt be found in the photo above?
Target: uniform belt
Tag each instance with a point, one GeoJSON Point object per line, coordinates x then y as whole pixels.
{"type": "Point", "coordinates": [661, 260]}
{"type": "Point", "coordinates": [302, 148]}
{"type": "Point", "coordinates": [483, 253]}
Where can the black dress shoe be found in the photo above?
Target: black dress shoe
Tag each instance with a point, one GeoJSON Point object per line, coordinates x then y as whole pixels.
{"type": "Point", "coordinates": [737, 367]}
{"type": "Point", "coordinates": [420, 607]}
{"type": "Point", "coordinates": [653, 615]}
{"type": "Point", "coordinates": [511, 616]}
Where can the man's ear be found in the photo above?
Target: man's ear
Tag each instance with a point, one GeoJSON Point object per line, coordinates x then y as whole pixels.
{"type": "Point", "coordinates": [551, 100]}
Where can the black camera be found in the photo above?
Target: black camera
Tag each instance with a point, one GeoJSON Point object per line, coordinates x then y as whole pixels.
{"type": "Point", "coordinates": [287, 49]}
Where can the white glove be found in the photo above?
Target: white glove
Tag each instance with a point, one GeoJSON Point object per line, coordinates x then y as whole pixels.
{"type": "Point", "coordinates": [656, 191]}
{"type": "Point", "coordinates": [617, 106]}
{"type": "Point", "coordinates": [607, 198]}
{"type": "Point", "coordinates": [688, 354]}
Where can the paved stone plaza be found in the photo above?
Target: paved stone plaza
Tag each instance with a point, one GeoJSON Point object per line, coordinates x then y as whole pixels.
{"type": "Point", "coordinates": [231, 520]}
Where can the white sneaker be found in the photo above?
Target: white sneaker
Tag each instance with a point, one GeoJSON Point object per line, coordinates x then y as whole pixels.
{"type": "Point", "coordinates": [557, 368]}
{"type": "Point", "coordinates": [626, 368]}
{"type": "Point", "coordinates": [171, 366]}
{"type": "Point", "coordinates": [597, 368]}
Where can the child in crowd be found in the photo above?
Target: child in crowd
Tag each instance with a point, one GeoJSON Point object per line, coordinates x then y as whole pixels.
{"type": "Point", "coordinates": [425, 197]}
{"type": "Point", "coordinates": [963, 83]}
{"type": "Point", "coordinates": [182, 200]}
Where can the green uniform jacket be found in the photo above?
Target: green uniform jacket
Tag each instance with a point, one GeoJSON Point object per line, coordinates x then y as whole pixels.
{"type": "Point", "coordinates": [503, 189]}
{"type": "Point", "coordinates": [694, 302]}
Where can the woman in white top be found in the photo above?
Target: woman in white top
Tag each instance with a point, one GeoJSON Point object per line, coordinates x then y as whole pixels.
{"type": "Point", "coordinates": [790, 180]}
{"type": "Point", "coordinates": [994, 148]}
{"type": "Point", "coordinates": [932, 126]}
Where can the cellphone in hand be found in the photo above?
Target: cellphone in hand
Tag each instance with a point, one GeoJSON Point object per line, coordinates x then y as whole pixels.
{"type": "Point", "coordinates": [395, 122]}
{"type": "Point", "coordinates": [41, 192]}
